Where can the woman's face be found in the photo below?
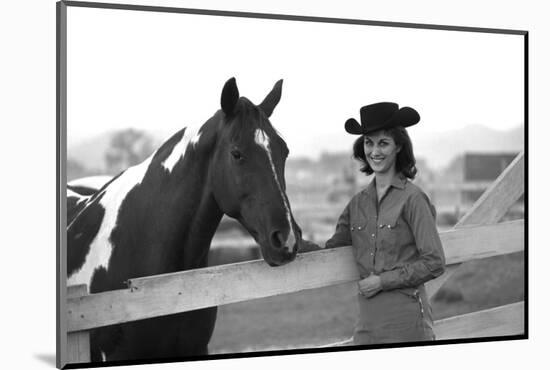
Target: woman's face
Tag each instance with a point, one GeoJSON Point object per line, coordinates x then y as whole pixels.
{"type": "Point", "coordinates": [380, 152]}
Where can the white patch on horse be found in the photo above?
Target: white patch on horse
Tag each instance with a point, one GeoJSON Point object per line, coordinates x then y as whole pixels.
{"type": "Point", "coordinates": [101, 248]}
{"type": "Point", "coordinates": [179, 150]}
{"type": "Point", "coordinates": [195, 140]}
{"type": "Point", "coordinates": [261, 138]}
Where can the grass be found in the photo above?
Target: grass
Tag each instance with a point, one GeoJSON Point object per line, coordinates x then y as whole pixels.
{"type": "Point", "coordinates": [326, 315]}
{"type": "Point", "coordinates": [482, 284]}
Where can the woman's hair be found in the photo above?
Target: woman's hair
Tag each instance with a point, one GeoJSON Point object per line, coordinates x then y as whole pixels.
{"type": "Point", "coordinates": [405, 161]}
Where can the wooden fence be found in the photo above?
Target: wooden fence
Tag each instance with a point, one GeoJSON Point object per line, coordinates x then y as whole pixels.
{"type": "Point", "coordinates": [477, 235]}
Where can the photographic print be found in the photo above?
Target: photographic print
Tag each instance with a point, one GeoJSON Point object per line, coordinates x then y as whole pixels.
{"type": "Point", "coordinates": [238, 184]}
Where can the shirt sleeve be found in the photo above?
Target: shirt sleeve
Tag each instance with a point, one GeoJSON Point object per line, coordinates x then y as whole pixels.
{"type": "Point", "coordinates": [431, 262]}
{"type": "Point", "coordinates": [342, 235]}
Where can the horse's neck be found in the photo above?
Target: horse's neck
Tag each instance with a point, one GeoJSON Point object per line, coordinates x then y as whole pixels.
{"type": "Point", "coordinates": [189, 211]}
{"type": "Point", "coordinates": [201, 228]}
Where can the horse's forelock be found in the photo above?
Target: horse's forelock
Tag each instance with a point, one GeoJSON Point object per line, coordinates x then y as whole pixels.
{"type": "Point", "coordinates": [247, 119]}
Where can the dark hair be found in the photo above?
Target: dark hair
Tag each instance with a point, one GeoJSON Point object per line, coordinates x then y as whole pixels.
{"type": "Point", "coordinates": [404, 162]}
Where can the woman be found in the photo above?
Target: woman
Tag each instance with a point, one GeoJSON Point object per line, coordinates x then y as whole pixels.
{"type": "Point", "coordinates": [391, 227]}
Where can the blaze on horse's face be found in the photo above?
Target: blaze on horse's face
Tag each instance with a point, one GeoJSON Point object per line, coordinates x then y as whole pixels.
{"type": "Point", "coordinates": [249, 182]}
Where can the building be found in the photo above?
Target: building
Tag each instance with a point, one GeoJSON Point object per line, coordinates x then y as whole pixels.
{"type": "Point", "coordinates": [456, 189]}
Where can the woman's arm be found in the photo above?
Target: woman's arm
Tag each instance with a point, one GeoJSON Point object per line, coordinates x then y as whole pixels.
{"type": "Point", "coordinates": [431, 263]}
{"type": "Point", "coordinates": [342, 235]}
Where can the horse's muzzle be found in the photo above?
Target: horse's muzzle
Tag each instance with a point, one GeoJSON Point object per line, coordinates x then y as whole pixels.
{"type": "Point", "coordinates": [279, 259]}
{"type": "Point", "coordinates": [278, 240]}
{"type": "Point", "coordinates": [281, 250]}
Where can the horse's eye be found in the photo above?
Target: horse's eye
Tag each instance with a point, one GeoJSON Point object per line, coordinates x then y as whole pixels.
{"type": "Point", "coordinates": [236, 154]}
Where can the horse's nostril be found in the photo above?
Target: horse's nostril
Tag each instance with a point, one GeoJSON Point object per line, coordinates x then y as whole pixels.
{"type": "Point", "coordinates": [277, 239]}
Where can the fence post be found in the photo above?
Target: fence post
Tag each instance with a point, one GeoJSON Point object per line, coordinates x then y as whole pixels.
{"type": "Point", "coordinates": [78, 343]}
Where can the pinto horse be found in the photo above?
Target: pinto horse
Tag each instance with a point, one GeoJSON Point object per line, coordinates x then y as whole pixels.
{"type": "Point", "coordinates": [161, 215]}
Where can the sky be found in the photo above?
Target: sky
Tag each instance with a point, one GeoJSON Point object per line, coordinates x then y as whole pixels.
{"type": "Point", "coordinates": [161, 72]}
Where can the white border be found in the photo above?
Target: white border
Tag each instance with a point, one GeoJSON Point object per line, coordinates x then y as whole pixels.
{"type": "Point", "coordinates": [28, 157]}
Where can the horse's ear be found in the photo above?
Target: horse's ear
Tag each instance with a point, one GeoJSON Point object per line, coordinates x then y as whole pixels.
{"type": "Point", "coordinates": [272, 99]}
{"type": "Point", "coordinates": [230, 96]}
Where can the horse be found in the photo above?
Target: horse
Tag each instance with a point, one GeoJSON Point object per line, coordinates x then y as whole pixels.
{"type": "Point", "coordinates": [160, 216]}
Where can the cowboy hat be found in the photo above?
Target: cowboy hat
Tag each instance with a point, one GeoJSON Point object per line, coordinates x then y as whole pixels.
{"type": "Point", "coordinates": [381, 116]}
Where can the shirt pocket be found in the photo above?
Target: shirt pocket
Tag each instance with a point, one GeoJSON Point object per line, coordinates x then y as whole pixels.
{"type": "Point", "coordinates": [359, 237]}
{"type": "Point", "coordinates": [393, 233]}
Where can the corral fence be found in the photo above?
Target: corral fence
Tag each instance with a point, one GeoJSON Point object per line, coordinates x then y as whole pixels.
{"type": "Point", "coordinates": [477, 235]}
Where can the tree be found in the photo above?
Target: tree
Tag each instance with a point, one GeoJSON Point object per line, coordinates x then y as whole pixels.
{"type": "Point", "coordinates": [127, 148]}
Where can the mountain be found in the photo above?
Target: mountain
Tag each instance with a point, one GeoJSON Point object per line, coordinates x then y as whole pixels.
{"type": "Point", "coordinates": [436, 149]}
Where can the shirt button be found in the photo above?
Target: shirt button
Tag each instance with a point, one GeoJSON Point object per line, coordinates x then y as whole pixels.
{"type": "Point", "coordinates": [359, 228]}
{"type": "Point", "coordinates": [372, 235]}
{"type": "Point", "coordinates": [381, 226]}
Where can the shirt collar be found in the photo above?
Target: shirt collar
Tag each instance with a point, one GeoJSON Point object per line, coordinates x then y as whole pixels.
{"type": "Point", "coordinates": [398, 182]}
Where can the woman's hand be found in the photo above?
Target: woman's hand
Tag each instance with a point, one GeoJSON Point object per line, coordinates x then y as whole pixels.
{"type": "Point", "coordinates": [307, 246]}
{"type": "Point", "coordinates": [370, 285]}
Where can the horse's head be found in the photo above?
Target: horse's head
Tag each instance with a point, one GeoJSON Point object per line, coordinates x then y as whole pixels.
{"type": "Point", "coordinates": [248, 173]}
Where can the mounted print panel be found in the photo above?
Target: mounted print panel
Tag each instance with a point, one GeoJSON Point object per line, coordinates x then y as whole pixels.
{"type": "Point", "coordinates": [238, 184]}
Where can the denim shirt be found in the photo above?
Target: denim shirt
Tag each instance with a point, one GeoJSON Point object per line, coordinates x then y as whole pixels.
{"type": "Point", "coordinates": [396, 239]}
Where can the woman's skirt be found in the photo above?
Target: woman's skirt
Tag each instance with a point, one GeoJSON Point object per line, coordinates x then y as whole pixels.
{"type": "Point", "coordinates": [400, 315]}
